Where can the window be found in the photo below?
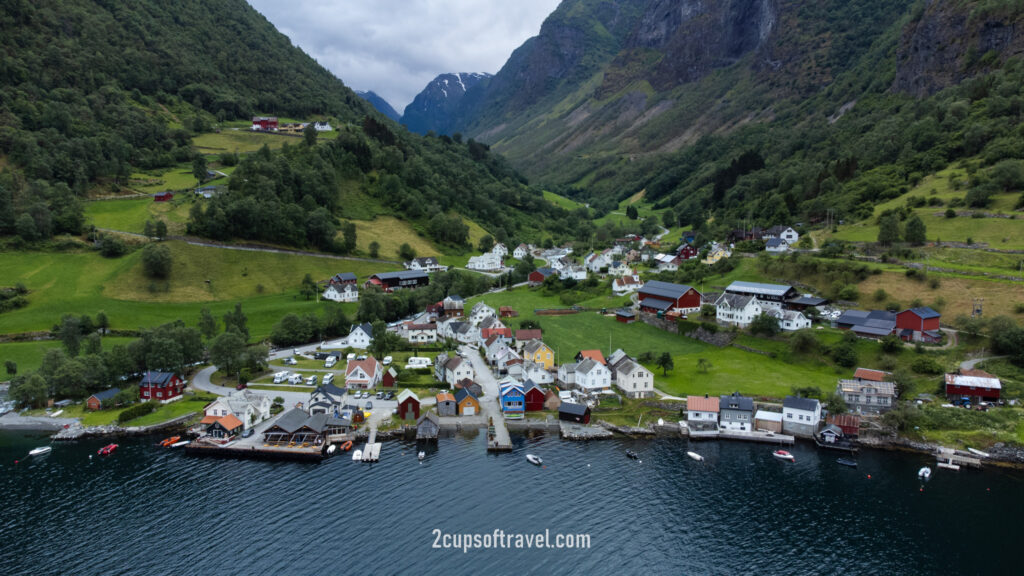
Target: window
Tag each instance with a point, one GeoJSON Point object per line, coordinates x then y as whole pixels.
{"type": "Point", "coordinates": [789, 416]}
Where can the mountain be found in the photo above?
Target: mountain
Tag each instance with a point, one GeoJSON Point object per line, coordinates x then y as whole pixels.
{"type": "Point", "coordinates": [436, 107]}
{"type": "Point", "coordinates": [379, 103]}
{"type": "Point", "coordinates": [94, 91]}
{"type": "Point", "coordinates": [739, 108]}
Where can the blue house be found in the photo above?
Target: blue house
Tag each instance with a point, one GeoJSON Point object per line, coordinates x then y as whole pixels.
{"type": "Point", "coordinates": [513, 399]}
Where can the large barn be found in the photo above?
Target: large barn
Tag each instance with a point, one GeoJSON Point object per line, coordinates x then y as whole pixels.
{"type": "Point", "coordinates": [666, 297]}
{"type": "Point", "coordinates": [404, 279]}
{"type": "Point", "coordinates": [919, 325]}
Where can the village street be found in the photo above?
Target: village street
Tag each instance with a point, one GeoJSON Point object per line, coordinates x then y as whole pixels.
{"type": "Point", "coordinates": [489, 403]}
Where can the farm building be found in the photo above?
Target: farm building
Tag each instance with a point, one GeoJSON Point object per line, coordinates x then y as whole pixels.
{"type": "Point", "coordinates": [163, 196]}
{"type": "Point", "coordinates": [401, 280]}
{"type": "Point", "coordinates": [767, 295]}
{"type": "Point", "coordinates": [974, 388]}
{"type": "Point", "coordinates": [625, 315]}
{"type": "Point", "coordinates": [160, 386]}
{"type": "Point", "coordinates": [919, 325]}
{"type": "Point", "coordinates": [264, 123]}
{"type": "Point", "coordinates": [95, 402]}
{"type": "Point", "coordinates": [665, 297]}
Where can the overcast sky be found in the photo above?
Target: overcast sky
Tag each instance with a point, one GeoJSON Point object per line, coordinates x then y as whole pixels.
{"type": "Point", "coordinates": [395, 47]}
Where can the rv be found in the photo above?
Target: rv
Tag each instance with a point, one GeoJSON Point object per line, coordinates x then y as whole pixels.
{"type": "Point", "coordinates": [418, 362]}
{"type": "Point", "coordinates": [280, 377]}
{"type": "Point", "coordinates": [330, 362]}
{"type": "Point", "coordinates": [329, 379]}
{"type": "Point", "coordinates": [311, 381]}
{"type": "Point", "coordinates": [295, 378]}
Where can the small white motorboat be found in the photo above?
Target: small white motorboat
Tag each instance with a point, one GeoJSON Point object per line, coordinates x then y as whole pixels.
{"type": "Point", "coordinates": [421, 455]}
{"type": "Point", "coordinates": [57, 413]}
{"type": "Point", "coordinates": [783, 455]}
{"type": "Point", "coordinates": [977, 452]}
{"type": "Point", "coordinates": [924, 473]}
{"type": "Point", "coordinates": [533, 459]}
{"type": "Point", "coordinates": [40, 451]}
{"type": "Point", "coordinates": [331, 449]}
{"type": "Point", "coordinates": [695, 456]}
{"type": "Point", "coordinates": [357, 455]}
{"type": "Point", "coordinates": [180, 444]}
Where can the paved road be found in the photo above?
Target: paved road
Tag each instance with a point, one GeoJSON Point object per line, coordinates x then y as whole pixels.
{"type": "Point", "coordinates": [489, 403]}
{"type": "Point", "coordinates": [970, 364]}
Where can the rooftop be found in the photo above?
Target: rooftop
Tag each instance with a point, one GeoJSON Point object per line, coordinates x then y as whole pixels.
{"type": "Point", "coordinates": [807, 404]}
{"type": "Point", "coordinates": [758, 288]}
{"type": "Point", "coordinates": [661, 289]}
{"type": "Point", "coordinates": [702, 403]}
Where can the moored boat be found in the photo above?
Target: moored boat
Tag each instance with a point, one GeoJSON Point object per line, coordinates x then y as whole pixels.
{"type": "Point", "coordinates": [171, 440]}
{"type": "Point", "coordinates": [180, 444]}
{"type": "Point", "coordinates": [107, 450]}
{"type": "Point", "coordinates": [40, 451]}
{"type": "Point", "coordinates": [535, 460]}
{"type": "Point", "coordinates": [977, 452]}
{"type": "Point", "coordinates": [847, 462]}
{"type": "Point", "coordinates": [784, 455]}
{"type": "Point", "coordinates": [632, 455]}
{"type": "Point", "coordinates": [347, 446]}
{"type": "Point", "coordinates": [331, 449]}
{"type": "Point", "coordinates": [357, 455]}
{"type": "Point", "coordinates": [695, 456]}
{"type": "Point", "coordinates": [421, 455]}
{"type": "Point", "coordinates": [924, 473]}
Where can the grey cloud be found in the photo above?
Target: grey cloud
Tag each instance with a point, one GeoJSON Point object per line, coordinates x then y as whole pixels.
{"type": "Point", "coordinates": [394, 47]}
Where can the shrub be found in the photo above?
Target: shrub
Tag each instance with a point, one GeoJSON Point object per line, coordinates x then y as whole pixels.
{"type": "Point", "coordinates": [845, 355]}
{"type": "Point", "coordinates": [925, 365]}
{"type": "Point", "coordinates": [137, 411]}
{"type": "Point", "coordinates": [880, 295]}
{"type": "Point", "coordinates": [112, 247]}
{"type": "Point", "coordinates": [892, 344]}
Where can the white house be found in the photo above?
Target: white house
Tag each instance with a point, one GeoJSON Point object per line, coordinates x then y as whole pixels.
{"type": "Point", "coordinates": [800, 416]}
{"type": "Point", "coordinates": [666, 262]}
{"type": "Point", "coordinates": [457, 369]}
{"type": "Point", "coordinates": [576, 272]}
{"type": "Point", "coordinates": [782, 232]}
{"type": "Point", "coordinates": [479, 312]}
{"type": "Point", "coordinates": [420, 333]}
{"type": "Point", "coordinates": [619, 268]}
{"type": "Point", "coordinates": [521, 252]}
{"type": "Point", "coordinates": [500, 250]}
{"type": "Point", "coordinates": [342, 293]}
{"type": "Point", "coordinates": [363, 373]}
{"type": "Point", "coordinates": [505, 358]}
{"type": "Point", "coordinates": [737, 310]}
{"type": "Point", "coordinates": [626, 285]}
{"type": "Point", "coordinates": [326, 399]}
{"type": "Point", "coordinates": [424, 264]}
{"type": "Point", "coordinates": [360, 336]}
{"type": "Point", "coordinates": [464, 332]}
{"type": "Point", "coordinates": [634, 380]}
{"type": "Point", "coordinates": [567, 374]}
{"type": "Point", "coordinates": [494, 347]}
{"type": "Point", "coordinates": [593, 376]}
{"type": "Point", "coordinates": [702, 409]}
{"type": "Point", "coordinates": [776, 245]}
{"type": "Point", "coordinates": [558, 264]}
{"type": "Point", "coordinates": [595, 261]}
{"type": "Point", "coordinates": [536, 372]}
{"type": "Point", "coordinates": [324, 126]}
{"type": "Point", "coordinates": [485, 262]}
{"type": "Point", "coordinates": [791, 320]}
{"type": "Point", "coordinates": [249, 407]}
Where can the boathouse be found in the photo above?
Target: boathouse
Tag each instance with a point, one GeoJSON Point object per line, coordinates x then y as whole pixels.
{"type": "Point", "coordinates": [446, 404]}
{"type": "Point", "coordinates": [572, 412]}
{"type": "Point", "coordinates": [408, 405]}
{"type": "Point", "coordinates": [427, 426]}
{"type": "Point", "coordinates": [467, 402]}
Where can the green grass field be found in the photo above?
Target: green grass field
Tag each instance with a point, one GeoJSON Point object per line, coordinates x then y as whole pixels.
{"type": "Point", "coordinates": [130, 215]}
{"type": "Point", "coordinates": [562, 201]}
{"type": "Point", "coordinates": [178, 177]}
{"type": "Point", "coordinates": [189, 403]}
{"type": "Point", "coordinates": [86, 283]}
{"type": "Point", "coordinates": [29, 355]}
{"type": "Point", "coordinates": [240, 141]}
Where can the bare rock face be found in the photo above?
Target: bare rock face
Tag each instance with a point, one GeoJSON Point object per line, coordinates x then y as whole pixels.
{"type": "Point", "coordinates": [951, 41]}
{"type": "Point", "coordinates": [691, 38]}
{"type": "Point", "coordinates": [435, 107]}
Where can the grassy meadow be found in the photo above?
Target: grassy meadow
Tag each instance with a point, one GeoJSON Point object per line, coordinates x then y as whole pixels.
{"type": "Point", "coordinates": [29, 355]}
{"type": "Point", "coordinates": [130, 215]}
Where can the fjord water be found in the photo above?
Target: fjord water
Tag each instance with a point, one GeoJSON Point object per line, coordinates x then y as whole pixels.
{"type": "Point", "coordinates": [147, 510]}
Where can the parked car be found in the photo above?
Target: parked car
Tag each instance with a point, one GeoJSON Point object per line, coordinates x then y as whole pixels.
{"type": "Point", "coordinates": [369, 405]}
{"type": "Point", "coordinates": [241, 386]}
{"type": "Point", "coordinates": [351, 356]}
{"type": "Point", "coordinates": [291, 361]}
{"type": "Point", "coordinates": [387, 360]}
{"type": "Point", "coordinates": [361, 357]}
{"type": "Point", "coordinates": [248, 432]}
{"type": "Point", "coordinates": [380, 395]}
{"type": "Point", "coordinates": [391, 395]}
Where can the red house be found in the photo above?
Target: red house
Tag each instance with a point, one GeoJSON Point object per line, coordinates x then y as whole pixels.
{"type": "Point", "coordinates": [665, 297]}
{"type": "Point", "coordinates": [538, 276]}
{"type": "Point", "coordinates": [408, 405]}
{"type": "Point", "coordinates": [160, 386]}
{"type": "Point", "coordinates": [389, 378]}
{"type": "Point", "coordinates": [163, 197]}
{"type": "Point", "coordinates": [264, 123]}
{"type": "Point", "coordinates": [686, 251]}
{"type": "Point", "coordinates": [848, 423]}
{"type": "Point", "coordinates": [535, 396]}
{"type": "Point", "coordinates": [918, 324]}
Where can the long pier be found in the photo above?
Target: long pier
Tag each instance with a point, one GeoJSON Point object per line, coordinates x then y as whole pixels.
{"type": "Point", "coordinates": [371, 452]}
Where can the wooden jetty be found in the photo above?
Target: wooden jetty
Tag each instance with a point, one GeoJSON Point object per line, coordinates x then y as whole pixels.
{"type": "Point", "coordinates": [950, 456]}
{"type": "Point", "coordinates": [257, 452]}
{"type": "Point", "coordinates": [498, 438]}
{"type": "Point", "coordinates": [371, 452]}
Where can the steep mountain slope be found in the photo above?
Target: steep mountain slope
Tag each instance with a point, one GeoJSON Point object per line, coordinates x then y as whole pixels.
{"type": "Point", "coordinates": [92, 90]}
{"type": "Point", "coordinates": [379, 103]}
{"type": "Point", "coordinates": [436, 107]}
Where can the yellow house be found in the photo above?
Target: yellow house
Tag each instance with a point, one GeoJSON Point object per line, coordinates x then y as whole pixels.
{"type": "Point", "coordinates": [538, 352]}
{"type": "Point", "coordinates": [716, 254]}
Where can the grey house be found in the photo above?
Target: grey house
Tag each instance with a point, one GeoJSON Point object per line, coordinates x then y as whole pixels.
{"type": "Point", "coordinates": [736, 412]}
{"type": "Point", "coordinates": [427, 426]}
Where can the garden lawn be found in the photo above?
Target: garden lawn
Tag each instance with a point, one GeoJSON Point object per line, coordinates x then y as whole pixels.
{"type": "Point", "coordinates": [240, 141]}
{"type": "Point", "coordinates": [29, 355]}
{"type": "Point", "coordinates": [172, 410]}
{"type": "Point", "coordinates": [178, 177]}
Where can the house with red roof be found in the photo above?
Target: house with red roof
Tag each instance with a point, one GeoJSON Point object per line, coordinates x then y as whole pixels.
{"type": "Point", "coordinates": [363, 373]}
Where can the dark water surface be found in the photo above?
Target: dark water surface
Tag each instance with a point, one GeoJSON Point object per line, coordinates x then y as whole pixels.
{"type": "Point", "coordinates": [147, 510]}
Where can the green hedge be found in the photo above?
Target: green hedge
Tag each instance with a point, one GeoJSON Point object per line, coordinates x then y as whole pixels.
{"type": "Point", "coordinates": [137, 411]}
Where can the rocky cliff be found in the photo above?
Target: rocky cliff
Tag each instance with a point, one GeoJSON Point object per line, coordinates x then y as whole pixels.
{"type": "Point", "coordinates": [950, 41]}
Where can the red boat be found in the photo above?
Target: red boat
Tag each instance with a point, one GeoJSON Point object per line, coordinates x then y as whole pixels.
{"type": "Point", "coordinates": [783, 455]}
{"type": "Point", "coordinates": [107, 450]}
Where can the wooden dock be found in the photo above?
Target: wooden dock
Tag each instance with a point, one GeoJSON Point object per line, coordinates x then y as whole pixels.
{"type": "Point", "coordinates": [498, 438]}
{"type": "Point", "coordinates": [371, 452]}
{"type": "Point", "coordinates": [950, 456]}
